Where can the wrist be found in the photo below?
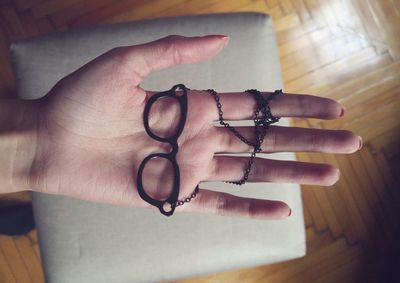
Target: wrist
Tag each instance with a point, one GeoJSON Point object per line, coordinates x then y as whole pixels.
{"type": "Point", "coordinates": [18, 143]}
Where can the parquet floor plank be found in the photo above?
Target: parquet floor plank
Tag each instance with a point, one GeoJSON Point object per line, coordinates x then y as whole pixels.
{"type": "Point", "coordinates": [253, 6]}
{"type": "Point", "coordinates": [369, 128]}
{"type": "Point", "coordinates": [287, 7]}
{"type": "Point", "coordinates": [319, 241]}
{"type": "Point", "coordinates": [328, 212]}
{"type": "Point", "coordinates": [70, 12]}
{"type": "Point", "coordinates": [348, 269]}
{"type": "Point", "coordinates": [142, 11]}
{"type": "Point", "coordinates": [301, 10]}
{"type": "Point", "coordinates": [365, 219]}
{"type": "Point", "coordinates": [345, 66]}
{"type": "Point", "coordinates": [307, 217]}
{"type": "Point", "coordinates": [311, 202]}
{"type": "Point", "coordinates": [368, 101]}
{"type": "Point", "coordinates": [174, 8]}
{"type": "Point", "coordinates": [341, 207]}
{"type": "Point", "coordinates": [373, 82]}
{"type": "Point", "coordinates": [47, 8]}
{"type": "Point", "coordinates": [29, 257]}
{"type": "Point", "coordinates": [275, 12]}
{"type": "Point", "coordinates": [370, 198]}
{"type": "Point", "coordinates": [329, 81]}
{"type": "Point", "coordinates": [294, 33]}
{"type": "Point", "coordinates": [104, 13]}
{"type": "Point", "coordinates": [391, 182]}
{"type": "Point", "coordinates": [14, 198]}
{"type": "Point", "coordinates": [386, 20]}
{"type": "Point", "coordinates": [12, 23]}
{"type": "Point", "coordinates": [286, 22]}
{"type": "Point", "coordinates": [324, 271]}
{"type": "Point", "coordinates": [329, 51]}
{"type": "Point", "coordinates": [379, 142]}
{"type": "Point", "coordinates": [6, 274]}
{"type": "Point", "coordinates": [11, 253]}
{"type": "Point", "coordinates": [377, 180]}
{"type": "Point", "coordinates": [303, 42]}
{"type": "Point", "coordinates": [323, 255]}
{"type": "Point", "coordinates": [272, 4]}
{"type": "Point", "coordinates": [34, 242]}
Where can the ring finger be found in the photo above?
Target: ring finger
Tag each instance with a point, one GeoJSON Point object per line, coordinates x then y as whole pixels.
{"type": "Point", "coordinates": [231, 168]}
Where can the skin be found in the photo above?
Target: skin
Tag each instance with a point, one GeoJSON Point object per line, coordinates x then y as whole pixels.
{"type": "Point", "coordinates": [86, 138]}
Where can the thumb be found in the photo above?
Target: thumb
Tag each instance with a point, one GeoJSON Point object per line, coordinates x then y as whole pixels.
{"type": "Point", "coordinates": [171, 51]}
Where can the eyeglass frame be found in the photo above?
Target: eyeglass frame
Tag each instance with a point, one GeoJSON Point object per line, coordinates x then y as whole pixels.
{"type": "Point", "coordinates": [171, 156]}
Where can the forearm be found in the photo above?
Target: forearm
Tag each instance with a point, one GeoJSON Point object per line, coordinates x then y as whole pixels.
{"type": "Point", "coordinates": [18, 124]}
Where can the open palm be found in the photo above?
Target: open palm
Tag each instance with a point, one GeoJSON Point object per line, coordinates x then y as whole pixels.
{"type": "Point", "coordinates": [91, 137]}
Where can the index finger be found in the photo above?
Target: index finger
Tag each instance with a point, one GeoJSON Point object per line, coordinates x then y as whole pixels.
{"type": "Point", "coordinates": [241, 106]}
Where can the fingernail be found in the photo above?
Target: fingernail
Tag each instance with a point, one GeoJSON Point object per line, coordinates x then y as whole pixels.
{"type": "Point", "coordinates": [218, 35]}
{"type": "Point", "coordinates": [342, 113]}
{"type": "Point", "coordinates": [225, 38]}
{"type": "Point", "coordinates": [361, 143]}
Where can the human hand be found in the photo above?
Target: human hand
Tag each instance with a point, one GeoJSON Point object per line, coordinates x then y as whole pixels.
{"type": "Point", "coordinates": [91, 139]}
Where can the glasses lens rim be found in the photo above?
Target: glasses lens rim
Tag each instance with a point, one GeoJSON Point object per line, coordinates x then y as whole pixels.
{"type": "Point", "coordinates": [173, 196]}
{"type": "Point", "coordinates": [182, 100]}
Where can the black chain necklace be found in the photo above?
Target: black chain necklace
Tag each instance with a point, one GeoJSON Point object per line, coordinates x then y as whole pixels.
{"type": "Point", "coordinates": [261, 125]}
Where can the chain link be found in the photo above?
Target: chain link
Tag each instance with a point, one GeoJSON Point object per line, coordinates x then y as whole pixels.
{"type": "Point", "coordinates": [261, 125]}
{"type": "Point", "coordinates": [188, 199]}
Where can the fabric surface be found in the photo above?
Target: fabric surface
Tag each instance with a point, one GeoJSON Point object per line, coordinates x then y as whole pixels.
{"type": "Point", "coordinates": [88, 242]}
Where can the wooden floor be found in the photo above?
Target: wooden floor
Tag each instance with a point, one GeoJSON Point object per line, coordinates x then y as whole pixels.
{"type": "Point", "coordinates": [346, 50]}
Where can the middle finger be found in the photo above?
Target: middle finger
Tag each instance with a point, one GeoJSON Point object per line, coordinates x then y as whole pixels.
{"type": "Point", "coordinates": [288, 139]}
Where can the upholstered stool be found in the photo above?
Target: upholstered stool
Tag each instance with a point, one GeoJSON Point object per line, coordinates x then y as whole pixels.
{"type": "Point", "coordinates": [88, 242]}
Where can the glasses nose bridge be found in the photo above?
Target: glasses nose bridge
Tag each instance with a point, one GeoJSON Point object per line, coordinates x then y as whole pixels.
{"type": "Point", "coordinates": [174, 146]}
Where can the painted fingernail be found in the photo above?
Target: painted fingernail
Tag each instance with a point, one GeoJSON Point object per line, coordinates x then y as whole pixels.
{"type": "Point", "coordinates": [218, 35]}
{"type": "Point", "coordinates": [342, 112]}
{"type": "Point", "coordinates": [225, 38]}
{"type": "Point", "coordinates": [361, 143]}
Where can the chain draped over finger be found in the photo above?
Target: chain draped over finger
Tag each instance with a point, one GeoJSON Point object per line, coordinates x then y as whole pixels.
{"type": "Point", "coordinates": [286, 105]}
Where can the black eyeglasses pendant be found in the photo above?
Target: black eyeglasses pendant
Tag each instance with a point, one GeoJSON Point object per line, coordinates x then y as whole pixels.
{"type": "Point", "coordinates": [181, 97]}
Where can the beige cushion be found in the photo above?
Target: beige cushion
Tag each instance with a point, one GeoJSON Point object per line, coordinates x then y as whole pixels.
{"type": "Point", "coordinates": [88, 242]}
